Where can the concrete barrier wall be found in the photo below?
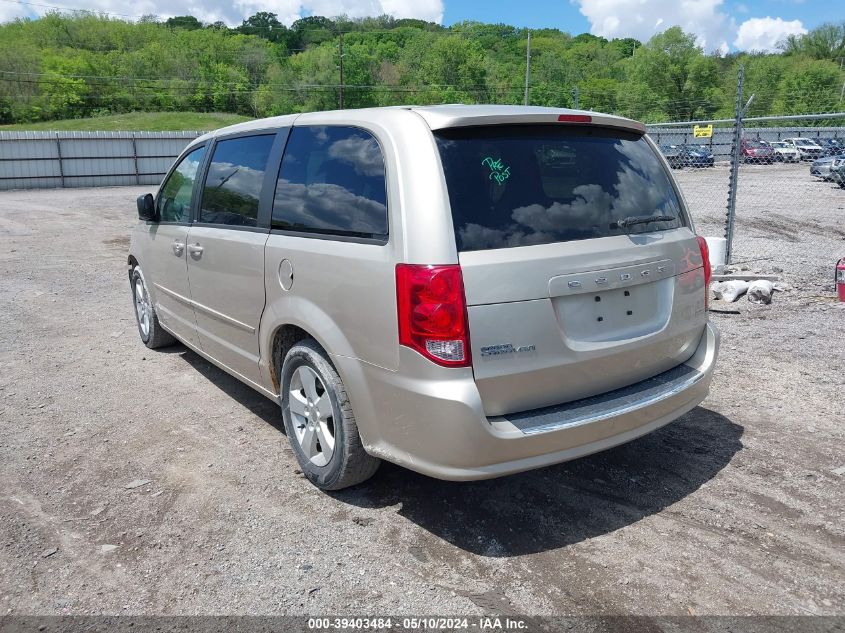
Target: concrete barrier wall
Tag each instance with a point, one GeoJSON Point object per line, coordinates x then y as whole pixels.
{"type": "Point", "coordinates": [40, 160]}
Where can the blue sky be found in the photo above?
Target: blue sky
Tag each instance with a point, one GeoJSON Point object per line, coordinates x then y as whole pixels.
{"type": "Point", "coordinates": [721, 25]}
{"type": "Point", "coordinates": [718, 23]}
{"type": "Point", "coordinates": [567, 16]}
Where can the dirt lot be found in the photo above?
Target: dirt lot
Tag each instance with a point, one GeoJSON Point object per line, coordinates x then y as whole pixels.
{"type": "Point", "coordinates": [737, 508]}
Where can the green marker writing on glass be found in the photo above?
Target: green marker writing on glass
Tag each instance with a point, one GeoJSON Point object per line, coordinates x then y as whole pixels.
{"type": "Point", "coordinates": [498, 171]}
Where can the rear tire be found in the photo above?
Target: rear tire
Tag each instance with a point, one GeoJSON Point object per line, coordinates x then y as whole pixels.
{"type": "Point", "coordinates": [319, 421]}
{"type": "Point", "coordinates": [149, 329]}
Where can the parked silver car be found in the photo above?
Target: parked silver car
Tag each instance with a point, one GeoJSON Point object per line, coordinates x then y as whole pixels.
{"type": "Point", "coordinates": [467, 291]}
{"type": "Point", "coordinates": [821, 168]}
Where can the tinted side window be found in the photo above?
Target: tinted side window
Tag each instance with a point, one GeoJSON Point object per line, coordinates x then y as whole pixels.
{"type": "Point", "coordinates": [234, 180]}
{"type": "Point", "coordinates": [332, 181]}
{"type": "Point", "coordinates": [174, 201]}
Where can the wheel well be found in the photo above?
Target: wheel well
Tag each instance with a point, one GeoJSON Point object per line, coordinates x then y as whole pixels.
{"type": "Point", "coordinates": [132, 263]}
{"type": "Point", "coordinates": [285, 337]}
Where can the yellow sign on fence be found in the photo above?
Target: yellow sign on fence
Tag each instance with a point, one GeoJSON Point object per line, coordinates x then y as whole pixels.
{"type": "Point", "coordinates": [702, 131]}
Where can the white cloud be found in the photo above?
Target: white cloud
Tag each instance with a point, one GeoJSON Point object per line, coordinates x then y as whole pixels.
{"type": "Point", "coordinates": [644, 18]}
{"type": "Point", "coordinates": [234, 12]}
{"type": "Point", "coordinates": [713, 27]}
{"type": "Point", "coordinates": [431, 10]}
{"type": "Point", "coordinates": [10, 12]}
{"type": "Point", "coordinates": [763, 34]}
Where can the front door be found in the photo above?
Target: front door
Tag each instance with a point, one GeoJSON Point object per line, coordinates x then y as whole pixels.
{"type": "Point", "coordinates": [225, 254]}
{"type": "Point", "coordinates": [167, 268]}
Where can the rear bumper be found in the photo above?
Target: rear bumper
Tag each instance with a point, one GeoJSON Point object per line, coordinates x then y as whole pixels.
{"type": "Point", "coordinates": [438, 427]}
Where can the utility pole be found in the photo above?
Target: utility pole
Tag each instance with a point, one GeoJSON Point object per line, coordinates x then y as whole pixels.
{"type": "Point", "coordinates": [527, 66]}
{"type": "Point", "coordinates": [340, 46]}
{"type": "Point", "coordinates": [576, 98]}
{"type": "Point", "coordinates": [736, 156]}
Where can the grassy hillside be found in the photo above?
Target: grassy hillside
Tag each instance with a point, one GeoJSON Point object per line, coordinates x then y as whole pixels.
{"type": "Point", "coordinates": [78, 65]}
{"type": "Point", "coordinates": [138, 121]}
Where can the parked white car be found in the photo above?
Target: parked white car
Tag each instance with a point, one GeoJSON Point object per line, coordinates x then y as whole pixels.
{"type": "Point", "coordinates": [807, 149]}
{"type": "Point", "coordinates": [785, 153]}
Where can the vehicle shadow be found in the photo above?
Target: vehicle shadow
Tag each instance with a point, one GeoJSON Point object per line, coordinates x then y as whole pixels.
{"type": "Point", "coordinates": [542, 509]}
{"type": "Point", "coordinates": [245, 395]}
{"type": "Point", "coordinates": [560, 505]}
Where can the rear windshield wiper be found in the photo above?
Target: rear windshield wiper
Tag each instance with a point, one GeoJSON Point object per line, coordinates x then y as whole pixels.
{"type": "Point", "coordinates": [633, 220]}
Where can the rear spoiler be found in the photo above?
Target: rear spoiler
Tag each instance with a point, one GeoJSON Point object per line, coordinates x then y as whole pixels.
{"type": "Point", "coordinates": [441, 118]}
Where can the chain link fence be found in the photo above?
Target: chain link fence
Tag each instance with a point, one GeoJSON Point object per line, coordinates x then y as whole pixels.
{"type": "Point", "coordinates": [787, 183]}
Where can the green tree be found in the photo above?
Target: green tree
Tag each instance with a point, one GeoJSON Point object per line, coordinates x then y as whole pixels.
{"type": "Point", "coordinates": [266, 25]}
{"type": "Point", "coordinates": [670, 77]}
{"type": "Point", "coordinates": [78, 64]}
{"type": "Point", "coordinates": [312, 31]}
{"type": "Point", "coordinates": [810, 86]}
{"type": "Point", "coordinates": [187, 22]}
{"type": "Point", "coordinates": [453, 68]}
{"type": "Point", "coordinates": [823, 42]}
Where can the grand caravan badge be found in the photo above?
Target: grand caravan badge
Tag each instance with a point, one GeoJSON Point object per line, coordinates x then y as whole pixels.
{"type": "Point", "coordinates": [506, 348]}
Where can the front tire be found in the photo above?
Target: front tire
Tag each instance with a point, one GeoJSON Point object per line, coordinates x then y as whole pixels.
{"type": "Point", "coordinates": [319, 421]}
{"type": "Point", "coordinates": [151, 332]}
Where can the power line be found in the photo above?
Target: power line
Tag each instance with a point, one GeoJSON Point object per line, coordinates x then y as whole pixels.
{"type": "Point", "coordinates": [49, 78]}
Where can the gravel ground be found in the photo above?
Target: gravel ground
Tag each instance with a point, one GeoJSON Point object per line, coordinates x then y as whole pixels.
{"type": "Point", "coordinates": [152, 483]}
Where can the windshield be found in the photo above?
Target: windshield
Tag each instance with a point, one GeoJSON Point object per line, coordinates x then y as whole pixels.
{"type": "Point", "coordinates": [536, 184]}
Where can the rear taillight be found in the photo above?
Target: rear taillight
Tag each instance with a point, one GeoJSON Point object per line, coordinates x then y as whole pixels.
{"type": "Point", "coordinates": [432, 313]}
{"type": "Point", "coordinates": [705, 257]}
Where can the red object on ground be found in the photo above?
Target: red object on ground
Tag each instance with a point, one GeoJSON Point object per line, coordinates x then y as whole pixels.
{"type": "Point", "coordinates": [840, 279]}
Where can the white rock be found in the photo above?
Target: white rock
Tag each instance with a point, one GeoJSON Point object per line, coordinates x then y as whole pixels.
{"type": "Point", "coordinates": [729, 290]}
{"type": "Point", "coordinates": [760, 291]}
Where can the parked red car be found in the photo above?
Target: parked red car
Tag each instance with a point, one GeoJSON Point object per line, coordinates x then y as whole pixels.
{"type": "Point", "coordinates": [756, 152]}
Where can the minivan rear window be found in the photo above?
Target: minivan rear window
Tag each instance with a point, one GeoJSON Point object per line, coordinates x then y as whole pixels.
{"type": "Point", "coordinates": [521, 185]}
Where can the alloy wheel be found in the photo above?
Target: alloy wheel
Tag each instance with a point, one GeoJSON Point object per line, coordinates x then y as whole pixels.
{"type": "Point", "coordinates": [312, 414]}
{"type": "Point", "coordinates": [142, 306]}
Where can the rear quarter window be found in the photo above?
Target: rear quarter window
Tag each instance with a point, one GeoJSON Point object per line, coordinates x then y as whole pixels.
{"type": "Point", "coordinates": [332, 182]}
{"type": "Point", "coordinates": [525, 185]}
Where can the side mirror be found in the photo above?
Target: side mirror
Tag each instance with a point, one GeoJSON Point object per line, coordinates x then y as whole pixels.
{"type": "Point", "coordinates": [146, 207]}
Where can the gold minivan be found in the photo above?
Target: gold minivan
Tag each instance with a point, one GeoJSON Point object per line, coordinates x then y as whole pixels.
{"type": "Point", "coordinates": [467, 291]}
